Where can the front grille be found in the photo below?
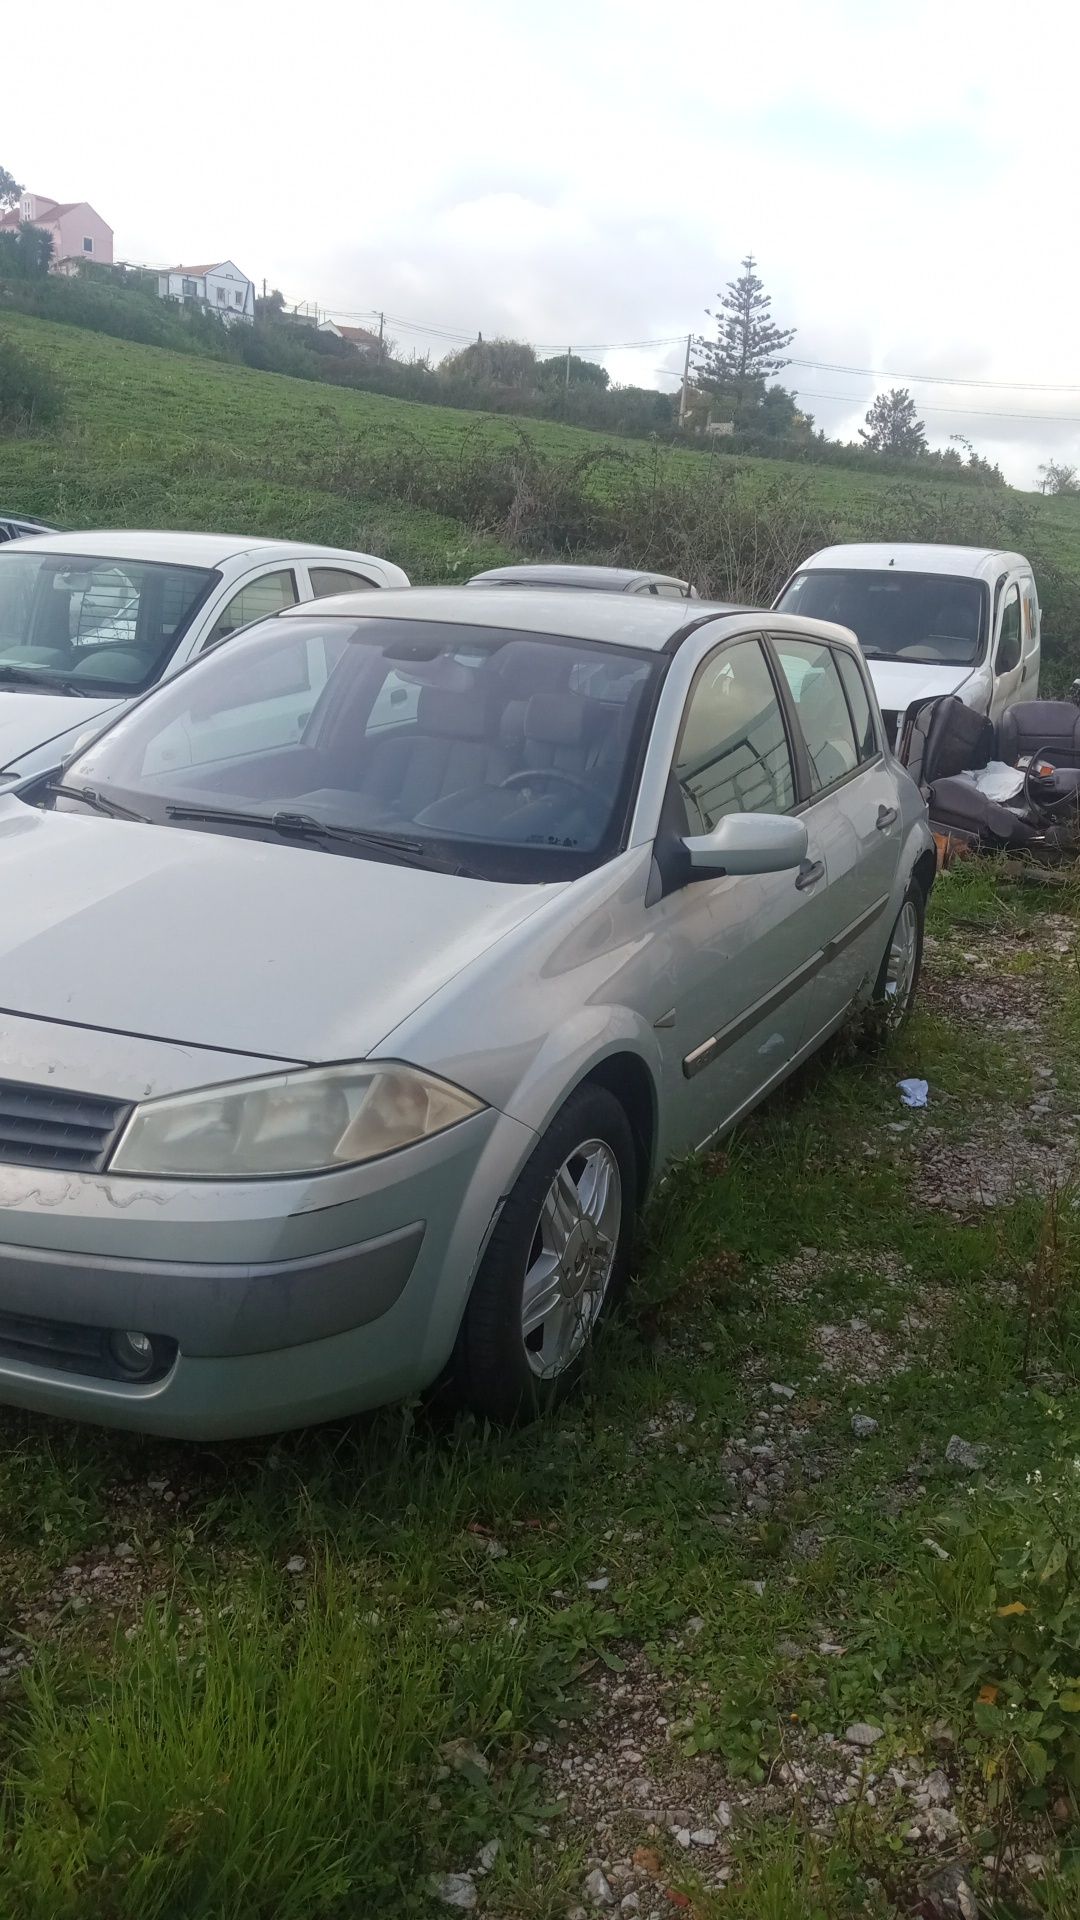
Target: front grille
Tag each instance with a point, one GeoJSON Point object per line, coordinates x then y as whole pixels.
{"type": "Point", "coordinates": [66, 1347]}
{"type": "Point", "coordinates": [46, 1127]}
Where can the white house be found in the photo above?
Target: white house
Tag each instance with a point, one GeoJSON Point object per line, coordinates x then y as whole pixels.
{"type": "Point", "coordinates": [216, 288]}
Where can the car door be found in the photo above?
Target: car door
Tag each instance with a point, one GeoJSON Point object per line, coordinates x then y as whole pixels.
{"type": "Point", "coordinates": [852, 812]}
{"type": "Point", "coordinates": [741, 950]}
{"type": "Point", "coordinates": [1007, 653]}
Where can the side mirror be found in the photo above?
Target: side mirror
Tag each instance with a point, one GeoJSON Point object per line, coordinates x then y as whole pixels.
{"type": "Point", "coordinates": [748, 843]}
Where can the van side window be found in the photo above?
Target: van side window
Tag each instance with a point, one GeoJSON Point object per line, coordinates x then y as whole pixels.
{"type": "Point", "coordinates": [1008, 651]}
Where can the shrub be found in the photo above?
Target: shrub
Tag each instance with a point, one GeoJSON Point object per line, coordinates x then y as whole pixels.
{"type": "Point", "coordinates": [29, 397]}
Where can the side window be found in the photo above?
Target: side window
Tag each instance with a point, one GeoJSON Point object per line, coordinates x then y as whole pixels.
{"type": "Point", "coordinates": [1008, 650]}
{"type": "Point", "coordinates": [733, 754]}
{"type": "Point", "coordinates": [395, 704]}
{"type": "Point", "coordinates": [261, 597]}
{"type": "Point", "coordinates": [859, 702]}
{"type": "Point", "coordinates": [811, 673]}
{"type": "Point", "coordinates": [328, 580]}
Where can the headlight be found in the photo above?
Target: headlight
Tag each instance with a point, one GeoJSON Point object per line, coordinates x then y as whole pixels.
{"type": "Point", "coordinates": [303, 1122]}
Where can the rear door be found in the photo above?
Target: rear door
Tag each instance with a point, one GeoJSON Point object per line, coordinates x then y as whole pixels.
{"type": "Point", "coordinates": [852, 811]}
{"type": "Point", "coordinates": [1031, 638]}
{"type": "Point", "coordinates": [741, 950]}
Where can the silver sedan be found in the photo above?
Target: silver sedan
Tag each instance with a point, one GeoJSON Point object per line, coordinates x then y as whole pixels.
{"type": "Point", "coordinates": [360, 980]}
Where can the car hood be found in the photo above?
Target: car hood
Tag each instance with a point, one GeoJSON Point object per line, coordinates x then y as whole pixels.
{"type": "Point", "coordinates": [898, 682]}
{"type": "Point", "coordinates": [30, 720]}
{"type": "Point", "coordinates": [213, 940]}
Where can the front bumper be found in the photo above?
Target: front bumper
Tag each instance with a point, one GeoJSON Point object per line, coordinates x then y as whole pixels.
{"type": "Point", "coordinates": [278, 1302]}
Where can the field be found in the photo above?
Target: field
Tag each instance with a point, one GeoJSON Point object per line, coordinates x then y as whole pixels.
{"type": "Point", "coordinates": [150, 437]}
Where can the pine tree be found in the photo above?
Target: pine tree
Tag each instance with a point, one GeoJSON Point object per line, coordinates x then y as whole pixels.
{"type": "Point", "coordinates": [749, 346]}
{"type": "Point", "coordinates": [892, 424]}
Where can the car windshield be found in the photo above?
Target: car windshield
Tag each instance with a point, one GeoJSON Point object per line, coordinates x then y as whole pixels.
{"type": "Point", "coordinates": [513, 755]}
{"type": "Point", "coordinates": [93, 623]}
{"type": "Point", "coordinates": [936, 618]}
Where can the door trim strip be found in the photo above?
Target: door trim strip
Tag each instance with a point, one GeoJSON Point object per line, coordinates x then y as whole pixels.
{"type": "Point", "coordinates": [718, 1043]}
{"type": "Point", "coordinates": [737, 1029]}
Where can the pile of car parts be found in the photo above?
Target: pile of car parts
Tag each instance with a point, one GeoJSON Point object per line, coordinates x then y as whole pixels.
{"type": "Point", "coordinates": [1014, 785]}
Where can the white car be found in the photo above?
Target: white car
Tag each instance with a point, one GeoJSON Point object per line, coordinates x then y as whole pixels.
{"type": "Point", "coordinates": [89, 620]}
{"type": "Point", "coordinates": [931, 620]}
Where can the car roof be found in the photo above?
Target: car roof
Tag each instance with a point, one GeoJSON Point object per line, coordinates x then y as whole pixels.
{"type": "Point", "coordinates": [615, 619]}
{"type": "Point", "coordinates": [602, 579]}
{"type": "Point", "coordinates": [180, 549]}
{"type": "Point", "coordinates": [910, 556]}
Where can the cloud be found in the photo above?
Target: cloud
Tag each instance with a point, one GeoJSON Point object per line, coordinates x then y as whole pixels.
{"type": "Point", "coordinates": [593, 173]}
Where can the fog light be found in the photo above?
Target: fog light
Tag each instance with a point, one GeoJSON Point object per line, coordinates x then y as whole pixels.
{"type": "Point", "coordinates": [134, 1352]}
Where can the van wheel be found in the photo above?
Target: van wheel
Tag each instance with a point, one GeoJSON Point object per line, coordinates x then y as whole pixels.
{"type": "Point", "coordinates": [898, 980]}
{"type": "Point", "coordinates": [556, 1262]}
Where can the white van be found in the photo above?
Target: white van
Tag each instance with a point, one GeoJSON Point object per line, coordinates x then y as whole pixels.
{"type": "Point", "coordinates": [930, 620]}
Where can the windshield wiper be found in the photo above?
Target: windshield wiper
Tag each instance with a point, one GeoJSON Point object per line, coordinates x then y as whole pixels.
{"type": "Point", "coordinates": [90, 797]}
{"type": "Point", "coordinates": [304, 826]}
{"type": "Point", "coordinates": [41, 677]}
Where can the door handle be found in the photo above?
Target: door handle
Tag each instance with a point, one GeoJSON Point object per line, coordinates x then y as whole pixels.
{"type": "Point", "coordinates": [886, 817]}
{"type": "Point", "coordinates": [810, 873]}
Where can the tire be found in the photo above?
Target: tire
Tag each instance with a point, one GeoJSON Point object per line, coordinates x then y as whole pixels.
{"type": "Point", "coordinates": [501, 1370]}
{"type": "Point", "coordinates": [901, 964]}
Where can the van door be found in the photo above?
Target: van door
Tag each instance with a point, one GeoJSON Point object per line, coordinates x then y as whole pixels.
{"type": "Point", "coordinates": [1006, 656]}
{"type": "Point", "coordinates": [1030, 637]}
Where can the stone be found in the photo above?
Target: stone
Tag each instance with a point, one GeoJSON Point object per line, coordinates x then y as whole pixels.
{"type": "Point", "coordinates": [124, 1551]}
{"type": "Point", "coordinates": [935, 1789]}
{"type": "Point", "coordinates": [967, 1454]}
{"type": "Point", "coordinates": [703, 1837]}
{"type": "Point", "coordinates": [780, 1392]}
{"type": "Point", "coordinates": [454, 1890]}
{"type": "Point", "coordinates": [600, 1584]}
{"type": "Point", "coordinates": [863, 1735]}
{"type": "Point", "coordinates": [630, 1903]}
{"type": "Point", "coordinates": [598, 1888]}
{"type": "Point", "coordinates": [295, 1564]}
{"type": "Point", "coordinates": [489, 1853]}
{"type": "Point", "coordinates": [863, 1427]}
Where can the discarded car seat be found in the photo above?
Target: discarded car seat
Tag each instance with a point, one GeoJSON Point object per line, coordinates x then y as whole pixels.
{"type": "Point", "coordinates": [1050, 728]}
{"type": "Point", "coordinates": [958, 809]}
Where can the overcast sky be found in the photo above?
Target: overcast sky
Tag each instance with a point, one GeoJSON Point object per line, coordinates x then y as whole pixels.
{"type": "Point", "coordinates": [591, 173]}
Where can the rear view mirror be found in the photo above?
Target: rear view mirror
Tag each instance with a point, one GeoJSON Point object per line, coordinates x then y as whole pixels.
{"type": "Point", "coordinates": [748, 843]}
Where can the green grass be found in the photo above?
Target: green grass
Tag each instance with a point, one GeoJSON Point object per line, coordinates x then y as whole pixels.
{"type": "Point", "coordinates": [318, 1677]}
{"type": "Point", "coordinates": [151, 437]}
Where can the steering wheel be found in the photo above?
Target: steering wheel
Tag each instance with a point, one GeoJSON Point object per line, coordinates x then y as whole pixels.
{"type": "Point", "coordinates": [526, 777]}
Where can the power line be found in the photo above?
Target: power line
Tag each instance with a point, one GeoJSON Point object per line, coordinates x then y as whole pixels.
{"type": "Point", "coordinates": [966, 413]}
{"type": "Point", "coordinates": [936, 379]}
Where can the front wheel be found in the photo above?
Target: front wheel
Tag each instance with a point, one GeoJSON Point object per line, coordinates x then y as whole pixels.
{"type": "Point", "coordinates": [557, 1259]}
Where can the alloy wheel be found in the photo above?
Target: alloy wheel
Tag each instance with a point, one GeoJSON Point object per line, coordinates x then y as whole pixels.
{"type": "Point", "coordinates": [571, 1258]}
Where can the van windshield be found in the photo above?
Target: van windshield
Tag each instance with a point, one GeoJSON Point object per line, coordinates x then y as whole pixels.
{"type": "Point", "coordinates": [936, 618]}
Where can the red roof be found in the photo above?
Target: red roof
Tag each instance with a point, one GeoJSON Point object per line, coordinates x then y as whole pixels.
{"type": "Point", "coordinates": [359, 336]}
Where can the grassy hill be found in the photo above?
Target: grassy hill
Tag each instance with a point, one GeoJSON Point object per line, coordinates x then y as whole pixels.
{"type": "Point", "coordinates": [150, 437]}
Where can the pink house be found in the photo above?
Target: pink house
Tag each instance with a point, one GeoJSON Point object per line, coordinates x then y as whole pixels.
{"type": "Point", "coordinates": [78, 233]}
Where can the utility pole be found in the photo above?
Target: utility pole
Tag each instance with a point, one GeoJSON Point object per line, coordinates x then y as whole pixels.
{"type": "Point", "coordinates": [382, 324]}
{"type": "Point", "coordinates": [264, 286]}
{"type": "Point", "coordinates": [569, 351]}
{"type": "Point", "coordinates": [684, 396]}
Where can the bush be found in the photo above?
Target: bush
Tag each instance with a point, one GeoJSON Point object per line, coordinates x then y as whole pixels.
{"type": "Point", "coordinates": [29, 397]}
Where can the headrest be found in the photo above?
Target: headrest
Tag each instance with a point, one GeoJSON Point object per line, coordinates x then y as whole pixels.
{"type": "Point", "coordinates": [460, 716]}
{"type": "Point", "coordinates": [557, 719]}
{"type": "Point", "coordinates": [530, 666]}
